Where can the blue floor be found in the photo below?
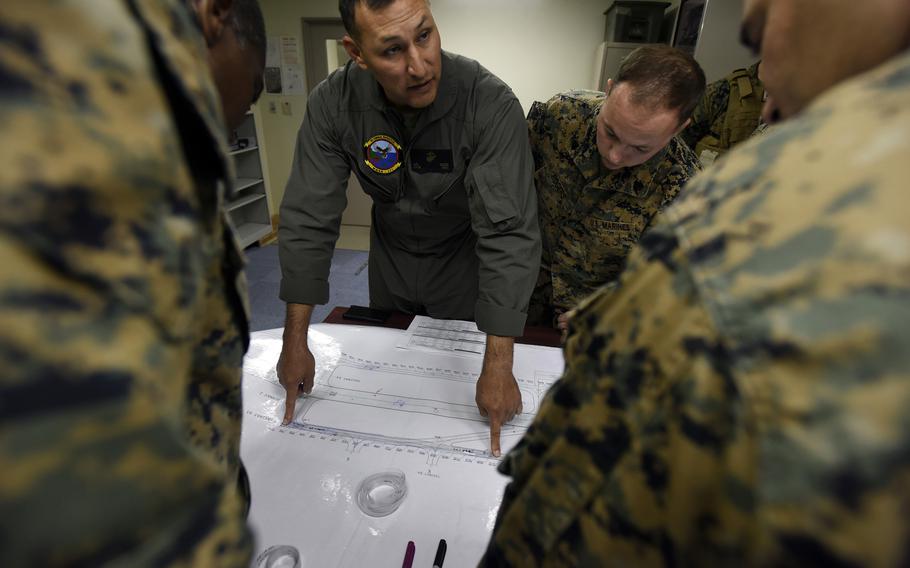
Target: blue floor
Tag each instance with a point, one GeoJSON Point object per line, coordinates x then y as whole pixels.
{"type": "Point", "coordinates": [348, 285]}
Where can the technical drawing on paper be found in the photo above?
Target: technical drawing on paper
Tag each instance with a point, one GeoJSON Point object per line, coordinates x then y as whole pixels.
{"type": "Point", "coordinates": [444, 335]}
{"type": "Point", "coordinates": [409, 398]}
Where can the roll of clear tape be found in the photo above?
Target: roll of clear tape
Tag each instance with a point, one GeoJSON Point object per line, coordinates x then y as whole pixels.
{"type": "Point", "coordinates": [381, 494]}
{"type": "Point", "coordinates": [279, 556]}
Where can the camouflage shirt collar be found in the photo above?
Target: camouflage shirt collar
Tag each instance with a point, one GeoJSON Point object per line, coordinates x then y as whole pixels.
{"type": "Point", "coordinates": [596, 176]}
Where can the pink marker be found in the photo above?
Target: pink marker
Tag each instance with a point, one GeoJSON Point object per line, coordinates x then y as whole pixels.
{"type": "Point", "coordinates": [409, 555]}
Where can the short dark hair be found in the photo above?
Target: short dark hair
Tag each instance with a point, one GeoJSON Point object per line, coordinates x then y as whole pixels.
{"type": "Point", "coordinates": [663, 77]}
{"type": "Point", "coordinates": [249, 25]}
{"type": "Point", "coordinates": [346, 7]}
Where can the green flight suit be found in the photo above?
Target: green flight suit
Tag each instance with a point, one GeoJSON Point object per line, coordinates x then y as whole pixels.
{"type": "Point", "coordinates": [454, 221]}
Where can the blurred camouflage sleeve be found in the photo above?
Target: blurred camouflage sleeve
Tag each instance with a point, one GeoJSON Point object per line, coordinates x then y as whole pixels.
{"type": "Point", "coordinates": [592, 475]}
{"type": "Point", "coordinates": [103, 255]}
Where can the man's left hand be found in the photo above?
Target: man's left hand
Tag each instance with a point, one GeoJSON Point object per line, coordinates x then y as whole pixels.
{"type": "Point", "coordinates": [498, 397]}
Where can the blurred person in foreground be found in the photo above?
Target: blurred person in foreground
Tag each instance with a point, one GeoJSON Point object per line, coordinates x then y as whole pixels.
{"type": "Point", "coordinates": [122, 318]}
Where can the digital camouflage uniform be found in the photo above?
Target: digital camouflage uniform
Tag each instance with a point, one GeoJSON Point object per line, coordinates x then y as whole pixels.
{"type": "Point", "coordinates": [741, 398]}
{"type": "Point", "coordinates": [589, 216]}
{"type": "Point", "coordinates": [728, 113]}
{"type": "Point", "coordinates": [122, 319]}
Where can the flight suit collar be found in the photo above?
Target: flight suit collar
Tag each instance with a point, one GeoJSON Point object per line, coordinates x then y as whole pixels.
{"type": "Point", "coordinates": [596, 176]}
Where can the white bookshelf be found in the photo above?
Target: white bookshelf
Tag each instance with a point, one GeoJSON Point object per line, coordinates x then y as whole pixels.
{"type": "Point", "coordinates": [249, 207]}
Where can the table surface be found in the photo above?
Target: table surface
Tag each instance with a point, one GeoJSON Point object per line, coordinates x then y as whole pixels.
{"type": "Point", "coordinates": [533, 335]}
{"type": "Point", "coordinates": [376, 409]}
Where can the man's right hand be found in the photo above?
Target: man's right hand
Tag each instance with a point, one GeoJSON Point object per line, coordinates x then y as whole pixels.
{"type": "Point", "coordinates": [296, 364]}
{"type": "Point", "coordinates": [296, 369]}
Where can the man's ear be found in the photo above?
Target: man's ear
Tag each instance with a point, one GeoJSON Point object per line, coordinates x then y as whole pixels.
{"type": "Point", "coordinates": [683, 126]}
{"type": "Point", "coordinates": [214, 18]}
{"type": "Point", "coordinates": [354, 51]}
{"type": "Point", "coordinates": [609, 87]}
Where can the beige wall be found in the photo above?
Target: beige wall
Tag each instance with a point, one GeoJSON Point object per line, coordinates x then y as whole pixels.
{"type": "Point", "coordinates": [538, 47]}
{"type": "Point", "coordinates": [283, 17]}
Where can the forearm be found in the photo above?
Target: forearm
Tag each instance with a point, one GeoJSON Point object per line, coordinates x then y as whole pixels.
{"type": "Point", "coordinates": [297, 323]}
{"type": "Point", "coordinates": [499, 354]}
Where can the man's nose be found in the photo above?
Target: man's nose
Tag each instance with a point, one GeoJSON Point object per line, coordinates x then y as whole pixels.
{"type": "Point", "coordinates": [416, 65]}
{"type": "Point", "coordinates": [615, 154]}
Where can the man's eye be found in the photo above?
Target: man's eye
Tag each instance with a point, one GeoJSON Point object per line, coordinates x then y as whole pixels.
{"type": "Point", "coordinates": [423, 36]}
{"type": "Point", "coordinates": [392, 50]}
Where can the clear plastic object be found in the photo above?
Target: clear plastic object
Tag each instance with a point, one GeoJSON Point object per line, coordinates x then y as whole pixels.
{"type": "Point", "coordinates": [279, 556]}
{"type": "Point", "coordinates": [381, 494]}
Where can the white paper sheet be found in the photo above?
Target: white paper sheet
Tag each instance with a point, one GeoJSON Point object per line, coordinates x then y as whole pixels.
{"type": "Point", "coordinates": [456, 336]}
{"type": "Point", "coordinates": [292, 80]}
{"type": "Point", "coordinates": [376, 408]}
{"type": "Point", "coordinates": [290, 50]}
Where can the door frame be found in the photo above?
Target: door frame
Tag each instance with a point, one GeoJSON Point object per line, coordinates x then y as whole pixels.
{"type": "Point", "coordinates": [314, 54]}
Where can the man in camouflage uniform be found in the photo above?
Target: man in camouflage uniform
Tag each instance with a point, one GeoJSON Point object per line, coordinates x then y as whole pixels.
{"type": "Point", "coordinates": [740, 398]}
{"type": "Point", "coordinates": [605, 164]}
{"type": "Point", "coordinates": [122, 314]}
{"type": "Point", "coordinates": [728, 113]}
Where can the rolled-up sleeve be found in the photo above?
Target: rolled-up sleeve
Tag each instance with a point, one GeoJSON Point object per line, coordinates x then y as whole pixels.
{"type": "Point", "coordinates": [314, 200]}
{"type": "Point", "coordinates": [503, 203]}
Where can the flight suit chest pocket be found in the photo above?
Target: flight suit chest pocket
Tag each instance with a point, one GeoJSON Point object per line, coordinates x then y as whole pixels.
{"type": "Point", "coordinates": [489, 198]}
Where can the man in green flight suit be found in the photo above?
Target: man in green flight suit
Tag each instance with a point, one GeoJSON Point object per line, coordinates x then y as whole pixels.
{"type": "Point", "coordinates": [740, 399]}
{"type": "Point", "coordinates": [606, 163]}
{"type": "Point", "coordinates": [728, 113]}
{"type": "Point", "coordinates": [122, 299]}
{"type": "Point", "coordinates": [441, 146]}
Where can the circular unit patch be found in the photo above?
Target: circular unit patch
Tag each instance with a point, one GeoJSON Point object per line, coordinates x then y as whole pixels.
{"type": "Point", "coordinates": [382, 154]}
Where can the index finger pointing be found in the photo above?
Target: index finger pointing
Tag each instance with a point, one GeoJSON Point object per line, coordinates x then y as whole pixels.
{"type": "Point", "coordinates": [495, 426]}
{"type": "Point", "coordinates": [289, 403]}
